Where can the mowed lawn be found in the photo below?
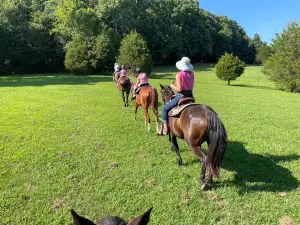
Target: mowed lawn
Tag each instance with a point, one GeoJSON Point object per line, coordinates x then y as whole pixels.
{"type": "Point", "coordinates": [67, 142]}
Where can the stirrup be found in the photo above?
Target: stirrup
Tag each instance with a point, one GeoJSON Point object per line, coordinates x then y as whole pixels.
{"type": "Point", "coordinates": [162, 131]}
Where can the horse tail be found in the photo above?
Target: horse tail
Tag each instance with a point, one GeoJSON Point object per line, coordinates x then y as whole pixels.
{"type": "Point", "coordinates": [126, 84]}
{"type": "Point", "coordinates": [154, 100]}
{"type": "Point", "coordinates": [217, 136]}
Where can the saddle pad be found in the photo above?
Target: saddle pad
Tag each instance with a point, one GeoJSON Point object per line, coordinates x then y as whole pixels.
{"type": "Point", "coordinates": [139, 88]}
{"type": "Point", "coordinates": [176, 111]}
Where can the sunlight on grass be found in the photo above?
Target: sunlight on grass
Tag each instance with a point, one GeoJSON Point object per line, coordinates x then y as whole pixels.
{"type": "Point", "coordinates": [67, 142]}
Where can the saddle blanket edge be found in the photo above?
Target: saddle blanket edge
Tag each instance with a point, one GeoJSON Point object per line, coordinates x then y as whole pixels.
{"type": "Point", "coordinates": [176, 111]}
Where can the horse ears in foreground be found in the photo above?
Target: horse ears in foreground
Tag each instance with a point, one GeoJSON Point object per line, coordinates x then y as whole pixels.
{"type": "Point", "coordinates": [143, 219]}
{"type": "Point", "coordinates": [161, 86]}
{"type": "Point", "coordinates": [79, 220]}
{"type": "Point", "coordinates": [112, 220]}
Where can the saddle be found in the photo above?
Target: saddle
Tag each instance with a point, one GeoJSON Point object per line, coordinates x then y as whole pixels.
{"type": "Point", "coordinates": [186, 100]}
{"type": "Point", "coordinates": [139, 88]}
{"type": "Point", "coordinates": [182, 104]}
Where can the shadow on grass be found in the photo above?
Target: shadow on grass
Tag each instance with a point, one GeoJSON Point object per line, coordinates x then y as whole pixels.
{"type": "Point", "coordinates": [252, 86]}
{"type": "Point", "coordinates": [256, 172]}
{"type": "Point", "coordinates": [43, 80]}
{"type": "Point", "coordinates": [166, 76]}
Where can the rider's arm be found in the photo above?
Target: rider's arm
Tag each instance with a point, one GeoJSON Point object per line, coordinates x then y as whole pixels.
{"type": "Point", "coordinates": [178, 86]}
{"type": "Point", "coordinates": [137, 82]}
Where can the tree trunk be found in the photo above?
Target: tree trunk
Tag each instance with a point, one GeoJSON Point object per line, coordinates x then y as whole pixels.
{"type": "Point", "coordinates": [228, 82]}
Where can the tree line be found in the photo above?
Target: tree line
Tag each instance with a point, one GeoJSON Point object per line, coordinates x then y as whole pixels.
{"type": "Point", "coordinates": [50, 35]}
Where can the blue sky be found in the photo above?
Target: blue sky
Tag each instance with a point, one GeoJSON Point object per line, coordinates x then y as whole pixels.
{"type": "Point", "coordinates": [265, 17]}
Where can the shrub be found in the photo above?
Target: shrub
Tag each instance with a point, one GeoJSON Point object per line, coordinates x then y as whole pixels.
{"type": "Point", "coordinates": [135, 53]}
{"type": "Point", "coordinates": [229, 68]}
{"type": "Point", "coordinates": [283, 66]}
{"type": "Point", "coordinates": [107, 48]}
{"type": "Point", "coordinates": [263, 53]}
{"type": "Point", "coordinates": [80, 57]}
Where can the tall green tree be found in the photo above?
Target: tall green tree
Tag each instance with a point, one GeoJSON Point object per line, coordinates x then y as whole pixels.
{"type": "Point", "coordinates": [283, 66]}
{"type": "Point", "coordinates": [263, 53]}
{"type": "Point", "coordinates": [257, 42]}
{"type": "Point", "coordinates": [80, 57]}
{"type": "Point", "coordinates": [26, 45]}
{"type": "Point", "coordinates": [107, 49]}
{"type": "Point", "coordinates": [135, 53]}
{"type": "Point", "coordinates": [43, 29]}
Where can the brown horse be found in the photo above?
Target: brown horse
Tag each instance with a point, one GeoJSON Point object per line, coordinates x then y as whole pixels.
{"type": "Point", "coordinates": [116, 76]}
{"type": "Point", "coordinates": [146, 97]}
{"type": "Point", "coordinates": [197, 124]}
{"type": "Point", "coordinates": [112, 220]}
{"type": "Point", "coordinates": [124, 85]}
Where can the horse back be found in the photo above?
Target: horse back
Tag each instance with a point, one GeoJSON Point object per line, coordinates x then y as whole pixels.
{"type": "Point", "coordinates": [144, 95]}
{"type": "Point", "coordinates": [125, 83]}
{"type": "Point", "coordinates": [191, 120]}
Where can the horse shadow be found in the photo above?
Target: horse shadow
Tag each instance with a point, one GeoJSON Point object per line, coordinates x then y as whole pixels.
{"type": "Point", "coordinates": [253, 86]}
{"type": "Point", "coordinates": [255, 172]}
{"type": "Point", "coordinates": [166, 76]}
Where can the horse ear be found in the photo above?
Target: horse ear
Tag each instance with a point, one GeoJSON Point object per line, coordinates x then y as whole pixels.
{"type": "Point", "coordinates": [162, 87]}
{"type": "Point", "coordinates": [79, 220]}
{"type": "Point", "coordinates": [143, 219]}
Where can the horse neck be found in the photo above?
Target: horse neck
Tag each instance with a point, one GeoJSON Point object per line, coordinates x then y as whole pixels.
{"type": "Point", "coordinates": [169, 93]}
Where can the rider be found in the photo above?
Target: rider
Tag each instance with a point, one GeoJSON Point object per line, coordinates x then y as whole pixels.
{"type": "Point", "coordinates": [184, 88]}
{"type": "Point", "coordinates": [123, 72]}
{"type": "Point", "coordinates": [142, 80]}
{"type": "Point", "coordinates": [116, 69]}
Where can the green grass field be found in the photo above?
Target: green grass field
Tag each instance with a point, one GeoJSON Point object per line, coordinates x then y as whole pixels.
{"type": "Point", "coordinates": [67, 142]}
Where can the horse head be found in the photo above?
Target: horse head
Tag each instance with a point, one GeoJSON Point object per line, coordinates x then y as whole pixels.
{"type": "Point", "coordinates": [112, 220]}
{"type": "Point", "coordinates": [166, 93]}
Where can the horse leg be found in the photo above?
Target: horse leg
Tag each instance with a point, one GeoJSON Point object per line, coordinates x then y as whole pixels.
{"type": "Point", "coordinates": [126, 103]}
{"type": "Point", "coordinates": [201, 156]}
{"type": "Point", "coordinates": [123, 97]}
{"type": "Point", "coordinates": [135, 109]}
{"type": "Point", "coordinates": [147, 118]}
{"type": "Point", "coordinates": [210, 177]}
{"type": "Point", "coordinates": [156, 118]}
{"type": "Point", "coordinates": [174, 147]}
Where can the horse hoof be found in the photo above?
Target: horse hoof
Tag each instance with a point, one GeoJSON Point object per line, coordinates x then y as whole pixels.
{"type": "Point", "coordinates": [205, 187]}
{"type": "Point", "coordinates": [179, 163]}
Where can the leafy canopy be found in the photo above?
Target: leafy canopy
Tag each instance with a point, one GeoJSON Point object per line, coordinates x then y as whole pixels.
{"type": "Point", "coordinates": [135, 53]}
{"type": "Point", "coordinates": [229, 68]}
{"type": "Point", "coordinates": [283, 66]}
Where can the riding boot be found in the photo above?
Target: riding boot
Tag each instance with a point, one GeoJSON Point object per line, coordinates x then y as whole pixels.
{"type": "Point", "coordinates": [162, 131]}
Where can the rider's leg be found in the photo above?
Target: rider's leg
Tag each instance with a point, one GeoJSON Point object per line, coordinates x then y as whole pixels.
{"type": "Point", "coordinates": [166, 109]}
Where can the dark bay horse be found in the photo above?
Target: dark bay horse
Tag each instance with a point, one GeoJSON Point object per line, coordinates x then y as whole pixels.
{"type": "Point", "coordinates": [146, 97]}
{"type": "Point", "coordinates": [198, 124]}
{"type": "Point", "coordinates": [112, 220]}
{"type": "Point", "coordinates": [124, 85]}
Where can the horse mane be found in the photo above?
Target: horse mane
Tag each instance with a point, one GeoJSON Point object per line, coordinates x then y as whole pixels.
{"type": "Point", "coordinates": [169, 92]}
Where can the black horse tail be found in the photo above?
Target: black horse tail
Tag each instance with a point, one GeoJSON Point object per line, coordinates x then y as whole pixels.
{"type": "Point", "coordinates": [217, 137]}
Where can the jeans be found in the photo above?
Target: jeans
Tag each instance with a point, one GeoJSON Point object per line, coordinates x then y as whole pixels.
{"type": "Point", "coordinates": [169, 106]}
